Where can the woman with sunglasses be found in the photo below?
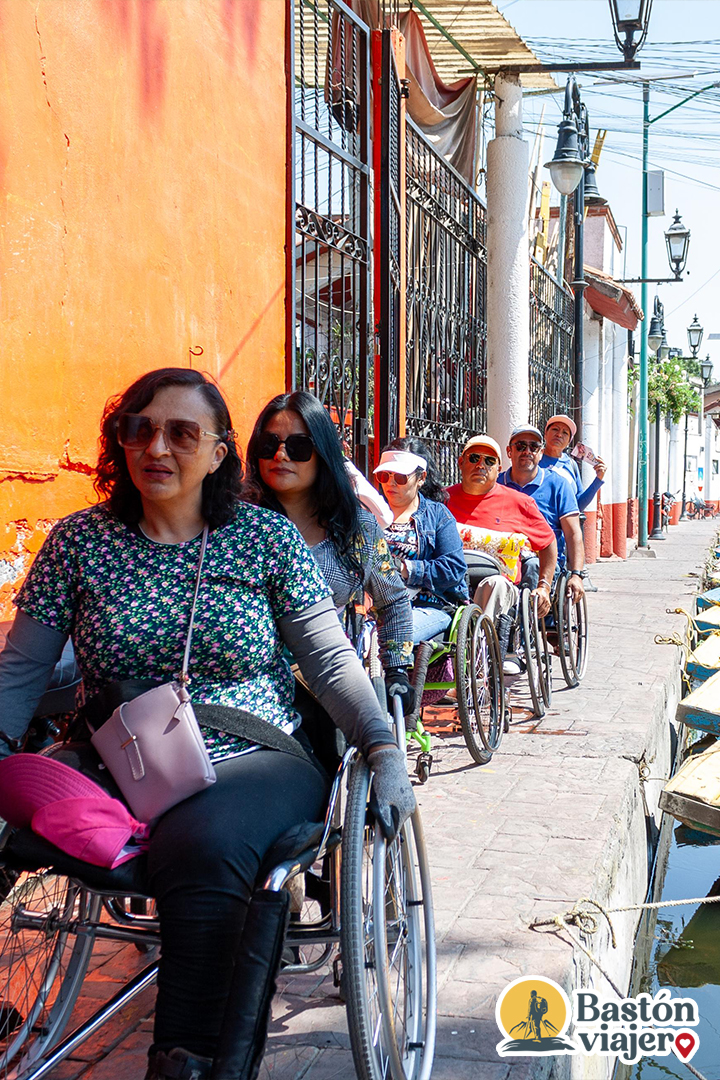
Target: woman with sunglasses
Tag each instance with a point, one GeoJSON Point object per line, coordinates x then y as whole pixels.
{"type": "Point", "coordinates": [120, 577]}
{"type": "Point", "coordinates": [295, 458]}
{"type": "Point", "coordinates": [424, 537]}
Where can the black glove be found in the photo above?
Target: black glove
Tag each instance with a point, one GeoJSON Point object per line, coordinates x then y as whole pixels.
{"type": "Point", "coordinates": [397, 684]}
{"type": "Point", "coordinates": [392, 799]}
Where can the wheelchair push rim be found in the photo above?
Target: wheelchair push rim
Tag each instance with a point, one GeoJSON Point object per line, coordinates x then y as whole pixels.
{"type": "Point", "coordinates": [387, 944]}
{"type": "Point", "coordinates": [572, 629]}
{"type": "Point", "coordinates": [480, 687]}
{"type": "Point", "coordinates": [537, 658]}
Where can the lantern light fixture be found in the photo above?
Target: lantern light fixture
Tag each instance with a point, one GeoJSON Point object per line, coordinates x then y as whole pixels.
{"type": "Point", "coordinates": [631, 19]}
{"type": "Point", "coordinates": [677, 240]}
{"type": "Point", "coordinates": [695, 335]}
{"type": "Point", "coordinates": [706, 368]}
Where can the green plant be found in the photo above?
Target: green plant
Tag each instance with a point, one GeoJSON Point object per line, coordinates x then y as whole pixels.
{"type": "Point", "coordinates": [669, 388]}
{"type": "Point", "coordinates": [668, 385]}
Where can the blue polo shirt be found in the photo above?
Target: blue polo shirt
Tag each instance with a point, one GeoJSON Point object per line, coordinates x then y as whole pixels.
{"type": "Point", "coordinates": [554, 496]}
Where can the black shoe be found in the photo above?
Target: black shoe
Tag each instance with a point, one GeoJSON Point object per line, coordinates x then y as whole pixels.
{"type": "Point", "coordinates": [177, 1064]}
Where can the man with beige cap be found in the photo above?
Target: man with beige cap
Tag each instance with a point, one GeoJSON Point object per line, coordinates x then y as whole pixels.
{"type": "Point", "coordinates": [480, 502]}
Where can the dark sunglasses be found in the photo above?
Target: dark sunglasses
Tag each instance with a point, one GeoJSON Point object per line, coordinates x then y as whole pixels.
{"type": "Point", "coordinates": [488, 459]}
{"type": "Point", "coordinates": [522, 446]}
{"type": "Point", "coordinates": [297, 447]}
{"type": "Point", "coordinates": [181, 436]}
{"type": "Point", "coordinates": [400, 478]}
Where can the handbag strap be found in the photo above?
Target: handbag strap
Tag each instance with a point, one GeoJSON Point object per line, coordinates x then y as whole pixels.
{"type": "Point", "coordinates": [183, 678]}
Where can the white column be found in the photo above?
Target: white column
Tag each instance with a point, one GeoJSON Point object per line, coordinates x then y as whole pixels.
{"type": "Point", "coordinates": [594, 342]}
{"type": "Point", "coordinates": [508, 275]}
{"type": "Point", "coordinates": [618, 465]}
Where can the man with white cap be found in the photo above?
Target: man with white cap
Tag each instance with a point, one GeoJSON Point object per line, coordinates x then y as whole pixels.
{"type": "Point", "coordinates": [554, 497]}
{"type": "Point", "coordinates": [479, 501]}
{"type": "Point", "coordinates": [560, 430]}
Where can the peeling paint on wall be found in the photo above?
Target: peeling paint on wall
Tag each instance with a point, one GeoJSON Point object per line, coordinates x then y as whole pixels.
{"type": "Point", "coordinates": [143, 180]}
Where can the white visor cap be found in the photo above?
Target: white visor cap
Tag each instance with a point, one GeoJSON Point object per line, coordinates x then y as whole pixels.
{"type": "Point", "coordinates": [400, 461]}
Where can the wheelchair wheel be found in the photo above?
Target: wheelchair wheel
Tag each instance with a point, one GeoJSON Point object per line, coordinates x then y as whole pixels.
{"type": "Point", "coordinates": [479, 682]}
{"type": "Point", "coordinates": [42, 966]}
{"type": "Point", "coordinates": [535, 649]}
{"type": "Point", "coordinates": [572, 629]}
{"type": "Point", "coordinates": [387, 943]}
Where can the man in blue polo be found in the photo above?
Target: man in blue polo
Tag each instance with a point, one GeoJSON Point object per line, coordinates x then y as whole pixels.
{"type": "Point", "coordinates": [554, 496]}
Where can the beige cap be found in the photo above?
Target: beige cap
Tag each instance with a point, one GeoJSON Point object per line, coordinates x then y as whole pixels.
{"type": "Point", "coordinates": [561, 418]}
{"type": "Point", "coordinates": [487, 442]}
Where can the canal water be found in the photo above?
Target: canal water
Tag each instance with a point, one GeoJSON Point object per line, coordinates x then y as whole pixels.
{"type": "Point", "coordinates": [679, 948]}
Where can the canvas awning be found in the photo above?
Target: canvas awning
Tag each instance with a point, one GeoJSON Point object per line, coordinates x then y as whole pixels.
{"type": "Point", "coordinates": [612, 300]}
{"type": "Point", "coordinates": [474, 37]}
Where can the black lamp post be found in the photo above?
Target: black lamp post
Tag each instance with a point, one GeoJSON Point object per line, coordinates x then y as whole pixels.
{"type": "Point", "coordinates": [695, 335]}
{"type": "Point", "coordinates": [658, 343]}
{"type": "Point", "coordinates": [568, 170]}
{"type": "Point", "coordinates": [631, 19]}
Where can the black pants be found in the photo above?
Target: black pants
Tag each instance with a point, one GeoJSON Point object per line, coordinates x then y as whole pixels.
{"type": "Point", "coordinates": [203, 862]}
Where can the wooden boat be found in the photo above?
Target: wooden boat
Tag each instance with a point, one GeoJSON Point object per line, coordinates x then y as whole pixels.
{"type": "Point", "coordinates": [693, 794]}
{"type": "Point", "coordinates": [704, 660]}
{"type": "Point", "coordinates": [701, 709]}
{"type": "Point", "coordinates": [708, 620]}
{"type": "Point", "coordinates": [708, 599]}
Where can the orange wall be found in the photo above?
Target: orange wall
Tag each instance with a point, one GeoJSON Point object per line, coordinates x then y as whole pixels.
{"type": "Point", "coordinates": [142, 213]}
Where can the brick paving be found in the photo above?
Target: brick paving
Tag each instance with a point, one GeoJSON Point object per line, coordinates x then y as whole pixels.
{"type": "Point", "coordinates": [509, 840]}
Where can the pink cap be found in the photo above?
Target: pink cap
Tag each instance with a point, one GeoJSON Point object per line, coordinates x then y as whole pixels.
{"type": "Point", "coordinates": [94, 830]}
{"type": "Point", "coordinates": [29, 781]}
{"type": "Point", "coordinates": [69, 809]}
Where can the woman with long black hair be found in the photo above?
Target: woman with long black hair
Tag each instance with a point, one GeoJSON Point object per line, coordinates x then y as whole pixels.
{"type": "Point", "coordinates": [295, 458]}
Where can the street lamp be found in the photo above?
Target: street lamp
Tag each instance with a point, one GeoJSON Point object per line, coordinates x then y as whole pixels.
{"type": "Point", "coordinates": [706, 370]}
{"type": "Point", "coordinates": [657, 341]}
{"type": "Point", "coordinates": [677, 241]}
{"type": "Point", "coordinates": [592, 194]}
{"type": "Point", "coordinates": [567, 170]}
{"type": "Point", "coordinates": [630, 17]}
{"type": "Point", "coordinates": [695, 335]}
{"type": "Point", "coordinates": [567, 166]}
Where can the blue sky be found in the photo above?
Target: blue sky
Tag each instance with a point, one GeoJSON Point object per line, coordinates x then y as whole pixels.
{"type": "Point", "coordinates": [684, 38]}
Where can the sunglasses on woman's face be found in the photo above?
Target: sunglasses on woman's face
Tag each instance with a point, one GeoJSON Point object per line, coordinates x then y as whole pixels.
{"type": "Point", "coordinates": [400, 478]}
{"type": "Point", "coordinates": [297, 447]}
{"type": "Point", "coordinates": [181, 436]}
{"type": "Point", "coordinates": [488, 459]}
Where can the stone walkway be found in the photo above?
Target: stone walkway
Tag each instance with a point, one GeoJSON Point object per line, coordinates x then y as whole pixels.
{"type": "Point", "coordinates": [526, 834]}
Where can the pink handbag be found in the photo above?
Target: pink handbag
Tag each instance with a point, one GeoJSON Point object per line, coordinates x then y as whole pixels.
{"type": "Point", "coordinates": [152, 745]}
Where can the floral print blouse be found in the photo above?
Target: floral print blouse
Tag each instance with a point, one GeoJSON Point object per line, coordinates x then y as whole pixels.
{"type": "Point", "coordinates": [126, 602]}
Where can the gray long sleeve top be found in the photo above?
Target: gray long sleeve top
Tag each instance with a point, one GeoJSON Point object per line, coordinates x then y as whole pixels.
{"type": "Point", "coordinates": [313, 636]}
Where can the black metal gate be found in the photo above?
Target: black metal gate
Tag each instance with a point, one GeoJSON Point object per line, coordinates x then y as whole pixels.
{"type": "Point", "coordinates": [330, 270]}
{"type": "Point", "coordinates": [390, 248]}
{"type": "Point", "coordinates": [551, 346]}
{"type": "Point", "coordinates": [446, 332]}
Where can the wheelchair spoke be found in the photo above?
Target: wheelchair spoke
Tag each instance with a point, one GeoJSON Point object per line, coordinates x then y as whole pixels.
{"type": "Point", "coordinates": [42, 964]}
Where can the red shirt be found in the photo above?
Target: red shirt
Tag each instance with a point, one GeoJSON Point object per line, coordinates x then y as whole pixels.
{"type": "Point", "coordinates": [501, 509]}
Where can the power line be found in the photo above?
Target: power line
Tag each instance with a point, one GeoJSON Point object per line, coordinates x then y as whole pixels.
{"type": "Point", "coordinates": [690, 297]}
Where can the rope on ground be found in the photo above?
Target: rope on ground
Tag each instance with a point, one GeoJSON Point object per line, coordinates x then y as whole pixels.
{"type": "Point", "coordinates": [588, 923]}
{"type": "Point", "coordinates": [675, 639]}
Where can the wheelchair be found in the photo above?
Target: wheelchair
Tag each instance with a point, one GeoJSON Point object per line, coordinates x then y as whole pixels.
{"type": "Point", "coordinates": [376, 908]}
{"type": "Point", "coordinates": [571, 622]}
{"type": "Point", "coordinates": [469, 646]}
{"type": "Point", "coordinates": [530, 629]}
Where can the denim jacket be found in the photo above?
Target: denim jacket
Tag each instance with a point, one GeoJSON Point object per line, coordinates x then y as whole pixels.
{"type": "Point", "coordinates": [441, 564]}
